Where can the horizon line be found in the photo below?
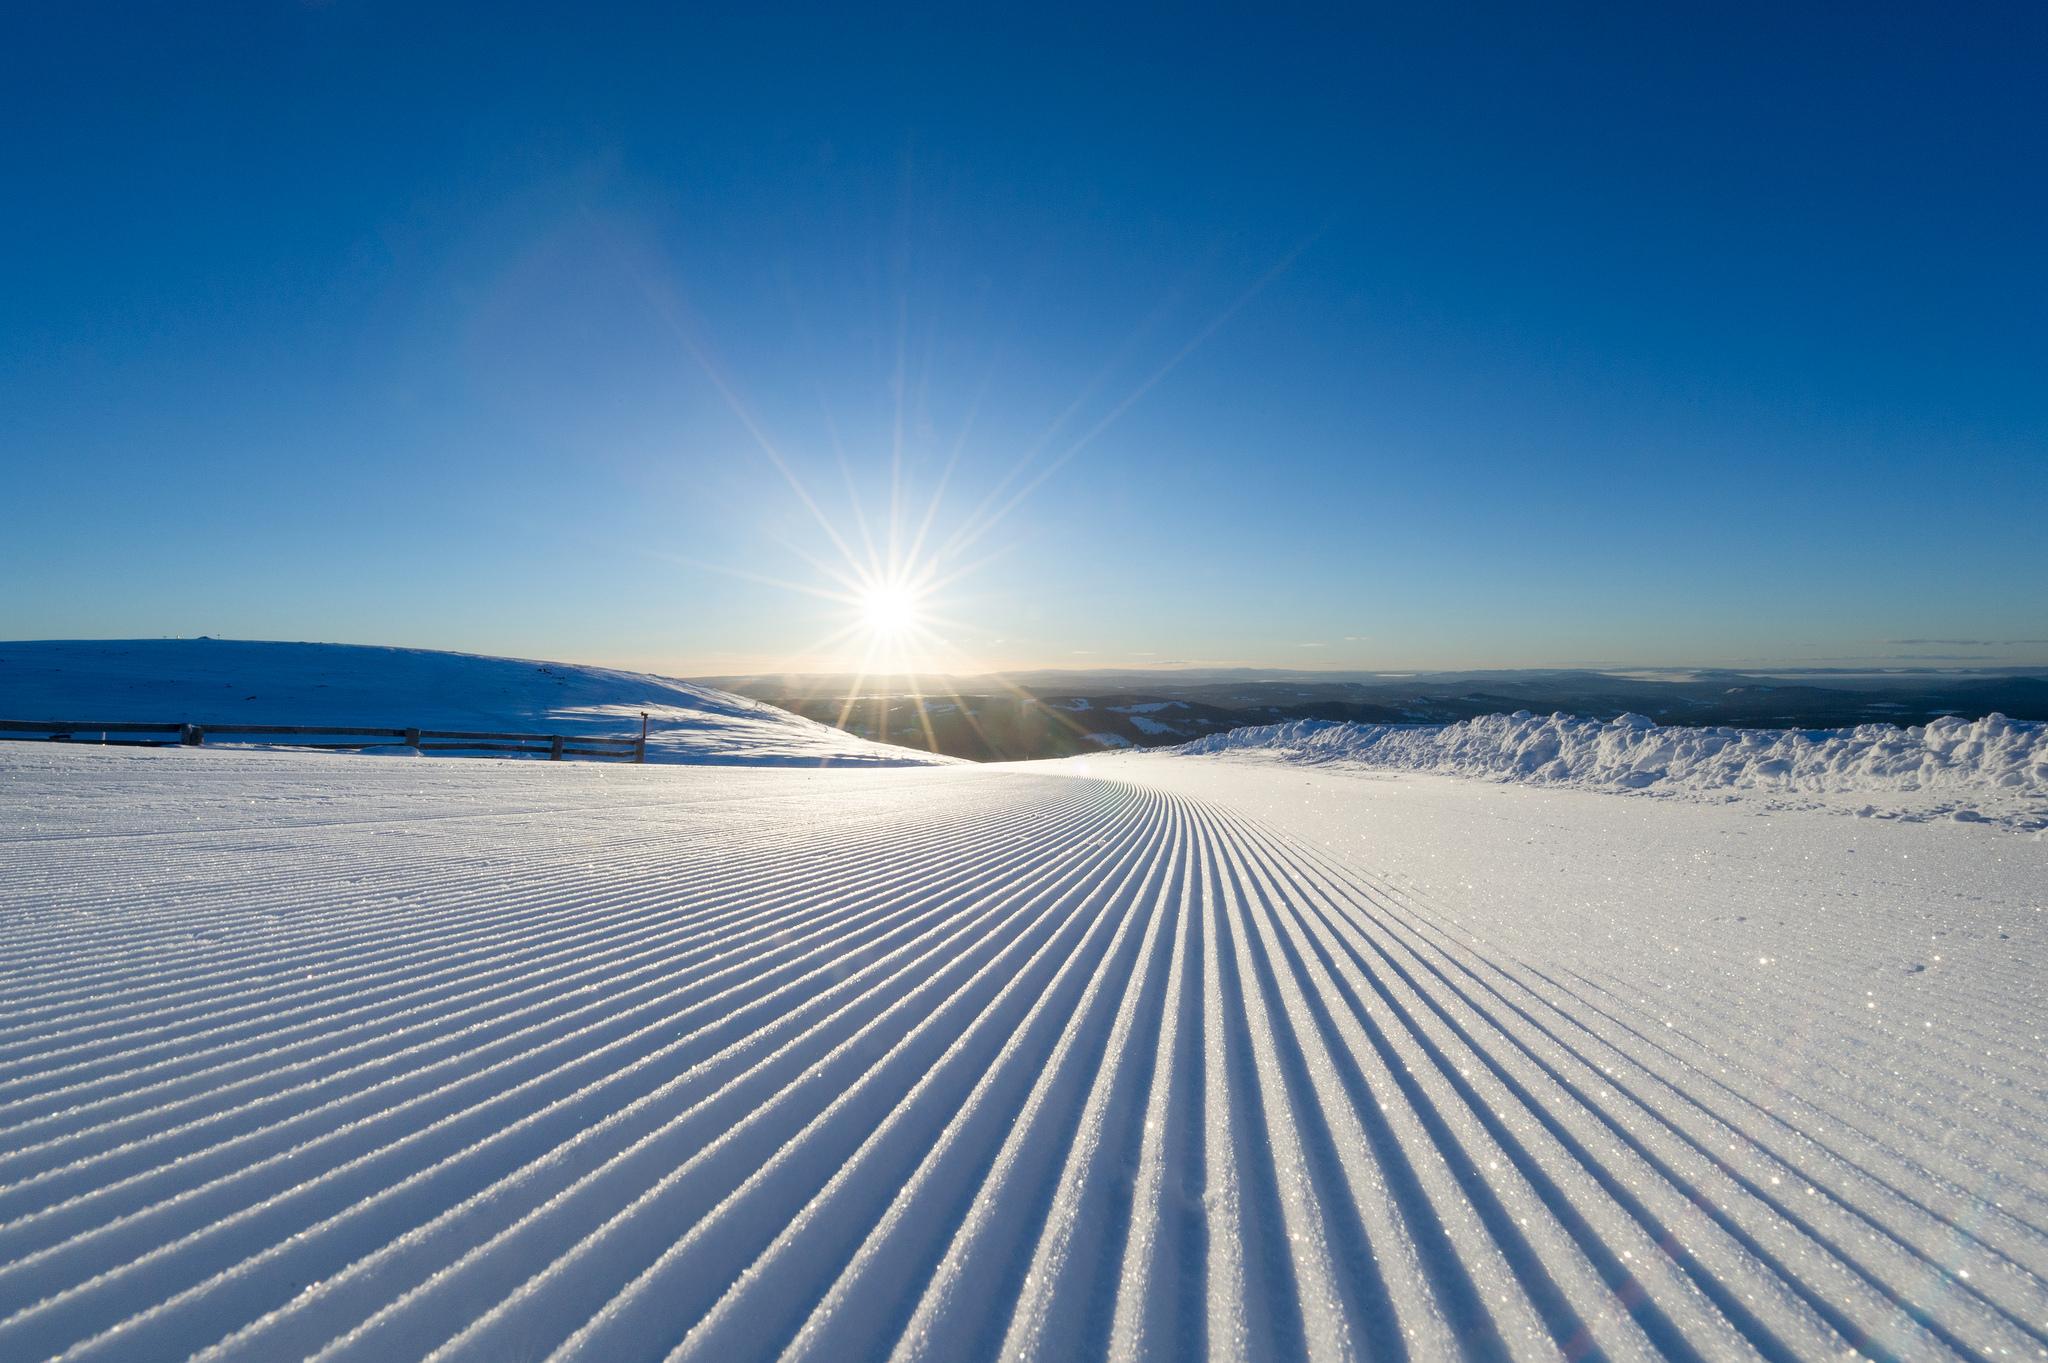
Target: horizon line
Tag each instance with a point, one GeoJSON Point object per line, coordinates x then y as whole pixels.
{"type": "Point", "coordinates": [1889, 663]}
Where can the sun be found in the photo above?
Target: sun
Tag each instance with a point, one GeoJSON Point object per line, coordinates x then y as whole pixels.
{"type": "Point", "coordinates": [888, 608]}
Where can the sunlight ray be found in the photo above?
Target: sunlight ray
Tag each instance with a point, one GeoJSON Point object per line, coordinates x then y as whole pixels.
{"type": "Point", "coordinates": [924, 719]}
{"type": "Point", "coordinates": [952, 462]}
{"type": "Point", "coordinates": [1045, 437]}
{"type": "Point", "coordinates": [669, 309]}
{"type": "Point", "coordinates": [853, 498]}
{"type": "Point", "coordinates": [848, 597]}
{"type": "Point", "coordinates": [969, 535]}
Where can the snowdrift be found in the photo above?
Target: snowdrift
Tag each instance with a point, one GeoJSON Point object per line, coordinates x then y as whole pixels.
{"type": "Point", "coordinates": [1993, 755]}
{"type": "Point", "coordinates": [218, 682]}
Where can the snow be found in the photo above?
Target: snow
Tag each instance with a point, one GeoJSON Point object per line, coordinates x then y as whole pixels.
{"type": "Point", "coordinates": [1137, 1056]}
{"type": "Point", "coordinates": [1993, 767]}
{"type": "Point", "coordinates": [1150, 707]}
{"type": "Point", "coordinates": [217, 682]}
{"type": "Point", "coordinates": [1110, 740]}
{"type": "Point", "coordinates": [1153, 726]}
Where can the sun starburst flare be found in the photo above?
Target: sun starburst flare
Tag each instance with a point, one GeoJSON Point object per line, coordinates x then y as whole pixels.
{"type": "Point", "coordinates": [889, 609]}
{"type": "Point", "coordinates": [886, 576]}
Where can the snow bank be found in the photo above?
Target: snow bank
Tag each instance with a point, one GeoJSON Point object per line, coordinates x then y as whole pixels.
{"type": "Point", "coordinates": [217, 682]}
{"type": "Point", "coordinates": [1989, 755]}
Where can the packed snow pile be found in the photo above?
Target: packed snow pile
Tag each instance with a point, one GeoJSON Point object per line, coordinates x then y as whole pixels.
{"type": "Point", "coordinates": [218, 682]}
{"type": "Point", "coordinates": [1991, 756]}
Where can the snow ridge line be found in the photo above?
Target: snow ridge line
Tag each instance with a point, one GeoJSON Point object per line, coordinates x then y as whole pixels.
{"type": "Point", "coordinates": [1993, 756]}
{"type": "Point", "coordinates": [1014, 1067]}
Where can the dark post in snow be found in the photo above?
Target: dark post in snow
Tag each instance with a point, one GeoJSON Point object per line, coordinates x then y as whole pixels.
{"type": "Point", "coordinates": [555, 748]}
{"type": "Point", "coordinates": [191, 736]}
{"type": "Point", "coordinates": [640, 748]}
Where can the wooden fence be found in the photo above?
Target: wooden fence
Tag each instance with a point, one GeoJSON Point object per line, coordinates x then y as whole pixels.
{"type": "Point", "coordinates": [553, 746]}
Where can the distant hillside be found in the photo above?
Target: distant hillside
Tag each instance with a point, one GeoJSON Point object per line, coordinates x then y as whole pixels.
{"type": "Point", "coordinates": [217, 681]}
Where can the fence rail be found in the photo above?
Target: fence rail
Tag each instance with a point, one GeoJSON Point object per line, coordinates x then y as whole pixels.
{"type": "Point", "coordinates": [553, 746]}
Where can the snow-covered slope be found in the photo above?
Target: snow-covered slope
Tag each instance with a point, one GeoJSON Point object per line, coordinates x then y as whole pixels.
{"type": "Point", "coordinates": [305, 1055]}
{"type": "Point", "coordinates": [1969, 765]}
{"type": "Point", "coordinates": [217, 681]}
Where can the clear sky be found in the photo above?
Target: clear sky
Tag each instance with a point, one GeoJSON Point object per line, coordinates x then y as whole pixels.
{"type": "Point", "coordinates": [1425, 336]}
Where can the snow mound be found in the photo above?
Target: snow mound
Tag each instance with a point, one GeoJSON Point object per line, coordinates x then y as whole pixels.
{"type": "Point", "coordinates": [216, 682]}
{"type": "Point", "coordinates": [1990, 756]}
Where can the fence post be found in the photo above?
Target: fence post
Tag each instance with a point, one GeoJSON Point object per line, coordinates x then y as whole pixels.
{"type": "Point", "coordinates": [412, 738]}
{"type": "Point", "coordinates": [191, 736]}
{"type": "Point", "coordinates": [640, 748]}
{"type": "Point", "coordinates": [555, 749]}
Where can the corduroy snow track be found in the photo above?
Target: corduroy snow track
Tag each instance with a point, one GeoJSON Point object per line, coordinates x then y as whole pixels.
{"type": "Point", "coordinates": [489, 1061]}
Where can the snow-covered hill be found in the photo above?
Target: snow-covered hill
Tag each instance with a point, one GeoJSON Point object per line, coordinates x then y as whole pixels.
{"type": "Point", "coordinates": [1992, 767]}
{"type": "Point", "coordinates": [217, 681]}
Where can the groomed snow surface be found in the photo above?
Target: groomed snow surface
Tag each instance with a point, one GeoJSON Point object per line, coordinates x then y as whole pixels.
{"type": "Point", "coordinates": [1144, 1057]}
{"type": "Point", "coordinates": [1992, 767]}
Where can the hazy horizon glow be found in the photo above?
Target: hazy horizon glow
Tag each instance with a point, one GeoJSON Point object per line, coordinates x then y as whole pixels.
{"type": "Point", "coordinates": [719, 343]}
{"type": "Point", "coordinates": [885, 664]}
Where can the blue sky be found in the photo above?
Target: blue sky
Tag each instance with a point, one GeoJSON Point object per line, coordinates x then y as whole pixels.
{"type": "Point", "coordinates": [1474, 337]}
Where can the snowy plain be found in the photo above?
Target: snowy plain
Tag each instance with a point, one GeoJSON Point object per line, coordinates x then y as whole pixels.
{"type": "Point", "coordinates": [1138, 1056]}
